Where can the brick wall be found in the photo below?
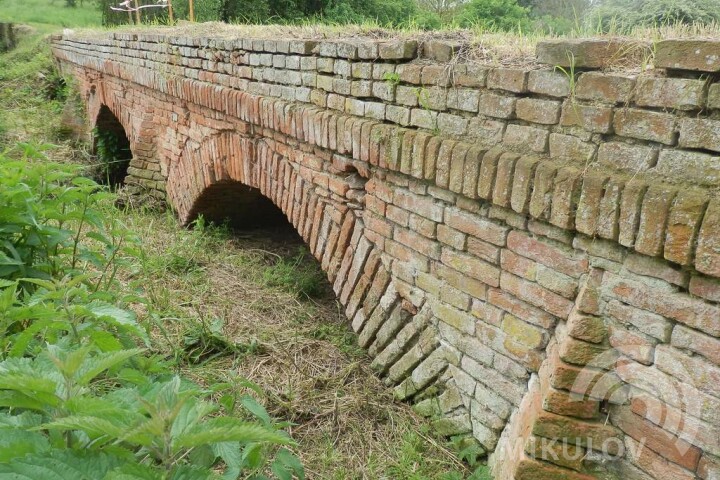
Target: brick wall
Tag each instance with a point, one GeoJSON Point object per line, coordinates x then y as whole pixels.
{"type": "Point", "coordinates": [533, 262]}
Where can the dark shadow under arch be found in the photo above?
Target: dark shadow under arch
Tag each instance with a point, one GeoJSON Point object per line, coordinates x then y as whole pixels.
{"type": "Point", "coordinates": [112, 147]}
{"type": "Point", "coordinates": [242, 207]}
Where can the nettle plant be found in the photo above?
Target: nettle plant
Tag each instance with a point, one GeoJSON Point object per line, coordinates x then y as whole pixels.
{"type": "Point", "coordinates": [82, 396]}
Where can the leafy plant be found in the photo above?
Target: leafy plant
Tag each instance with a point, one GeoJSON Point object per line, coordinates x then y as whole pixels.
{"type": "Point", "coordinates": [81, 397]}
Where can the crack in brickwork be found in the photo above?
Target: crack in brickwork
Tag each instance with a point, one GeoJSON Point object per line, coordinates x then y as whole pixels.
{"type": "Point", "coordinates": [513, 292]}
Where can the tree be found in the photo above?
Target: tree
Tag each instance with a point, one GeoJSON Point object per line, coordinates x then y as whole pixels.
{"type": "Point", "coordinates": [443, 8]}
{"type": "Point", "coordinates": [493, 14]}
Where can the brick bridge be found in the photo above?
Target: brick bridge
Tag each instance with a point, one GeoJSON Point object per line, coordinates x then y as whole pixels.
{"type": "Point", "coordinates": [533, 262]}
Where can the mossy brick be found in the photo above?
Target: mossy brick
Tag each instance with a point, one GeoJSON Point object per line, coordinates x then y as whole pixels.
{"type": "Point", "coordinates": [653, 219]}
{"type": "Point", "coordinates": [488, 169]}
{"type": "Point", "coordinates": [535, 110]}
{"type": "Point", "coordinates": [523, 137]}
{"type": "Point", "coordinates": [593, 118]}
{"type": "Point", "coordinates": [707, 256]}
{"type": "Point", "coordinates": [509, 79]}
{"type": "Point", "coordinates": [587, 434]}
{"type": "Point", "coordinates": [630, 207]}
{"type": "Point", "coordinates": [627, 157]}
{"type": "Point", "coordinates": [683, 225]}
{"type": "Point", "coordinates": [498, 106]}
{"type": "Point", "coordinates": [673, 93]}
{"type": "Point", "coordinates": [646, 125]}
{"type": "Point", "coordinates": [504, 179]}
{"type": "Point", "coordinates": [441, 50]}
{"type": "Point", "coordinates": [523, 182]}
{"type": "Point", "coordinates": [572, 148]}
{"type": "Point", "coordinates": [535, 469]}
{"type": "Point", "coordinates": [605, 88]}
{"type": "Point", "coordinates": [470, 75]}
{"type": "Point", "coordinates": [398, 49]}
{"type": "Point", "coordinates": [588, 211]}
{"type": "Point", "coordinates": [464, 99]}
{"type": "Point", "coordinates": [457, 167]}
{"type": "Point", "coordinates": [566, 193]}
{"type": "Point", "coordinates": [549, 82]}
{"type": "Point", "coordinates": [541, 197]}
{"type": "Point", "coordinates": [694, 167]}
{"type": "Point", "coordinates": [713, 101]}
{"type": "Point", "coordinates": [471, 171]}
{"type": "Point", "coordinates": [587, 53]}
{"type": "Point", "coordinates": [688, 54]}
{"type": "Point", "coordinates": [700, 133]}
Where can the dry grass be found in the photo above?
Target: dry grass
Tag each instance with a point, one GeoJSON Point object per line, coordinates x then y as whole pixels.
{"type": "Point", "coordinates": [476, 45]}
{"type": "Point", "coordinates": [301, 351]}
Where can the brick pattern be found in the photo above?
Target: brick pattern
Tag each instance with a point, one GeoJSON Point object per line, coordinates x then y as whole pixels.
{"type": "Point", "coordinates": [512, 297]}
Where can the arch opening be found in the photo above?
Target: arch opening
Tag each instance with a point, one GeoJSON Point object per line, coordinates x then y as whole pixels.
{"type": "Point", "coordinates": [111, 146]}
{"type": "Point", "coordinates": [239, 206]}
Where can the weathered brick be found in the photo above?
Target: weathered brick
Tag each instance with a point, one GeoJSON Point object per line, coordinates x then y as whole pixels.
{"type": "Point", "coordinates": [648, 323]}
{"type": "Point", "coordinates": [569, 147]}
{"type": "Point", "coordinates": [549, 82]}
{"type": "Point", "coordinates": [488, 169]}
{"type": "Point", "coordinates": [687, 54]}
{"type": "Point", "coordinates": [694, 341]}
{"type": "Point", "coordinates": [680, 307]}
{"type": "Point", "coordinates": [522, 183]}
{"type": "Point", "coordinates": [683, 225]}
{"type": "Point", "coordinates": [522, 137]}
{"type": "Point", "coordinates": [541, 197]}
{"type": "Point", "coordinates": [645, 125]}
{"type": "Point", "coordinates": [630, 206]}
{"type": "Point", "coordinates": [464, 99]}
{"type": "Point", "coordinates": [504, 179]}
{"type": "Point", "coordinates": [707, 255]}
{"type": "Point", "coordinates": [510, 79]}
{"type": "Point", "coordinates": [588, 211]}
{"type": "Point", "coordinates": [590, 117]}
{"type": "Point", "coordinates": [398, 49]}
{"type": "Point", "coordinates": [606, 88]}
{"type": "Point", "coordinates": [476, 226]}
{"type": "Point", "coordinates": [653, 219]}
{"type": "Point", "coordinates": [675, 93]}
{"type": "Point", "coordinates": [655, 438]}
{"type": "Point", "coordinates": [566, 193]}
{"type": "Point", "coordinates": [536, 295]}
{"type": "Point", "coordinates": [535, 110]}
{"type": "Point", "coordinates": [473, 267]}
{"type": "Point", "coordinates": [499, 106]}
{"type": "Point", "coordinates": [631, 158]}
{"type": "Point", "coordinates": [700, 133]}
{"type": "Point", "coordinates": [705, 287]}
{"type": "Point", "coordinates": [593, 53]}
{"type": "Point", "coordinates": [561, 259]}
{"type": "Point", "coordinates": [578, 432]}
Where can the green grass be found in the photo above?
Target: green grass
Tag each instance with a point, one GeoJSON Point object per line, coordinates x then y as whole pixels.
{"type": "Point", "coordinates": [50, 15]}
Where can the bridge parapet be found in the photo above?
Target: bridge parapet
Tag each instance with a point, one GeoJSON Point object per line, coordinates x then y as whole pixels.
{"type": "Point", "coordinates": [519, 249]}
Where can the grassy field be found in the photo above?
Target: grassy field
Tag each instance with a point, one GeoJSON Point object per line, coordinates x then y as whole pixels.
{"type": "Point", "coordinates": [228, 306]}
{"type": "Point", "coordinates": [50, 15]}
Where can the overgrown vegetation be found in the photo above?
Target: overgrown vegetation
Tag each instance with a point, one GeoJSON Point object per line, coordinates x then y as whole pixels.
{"type": "Point", "coordinates": [82, 387]}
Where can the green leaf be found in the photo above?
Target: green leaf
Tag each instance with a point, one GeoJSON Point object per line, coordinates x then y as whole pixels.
{"type": "Point", "coordinates": [256, 409]}
{"type": "Point", "coordinates": [94, 427]}
{"type": "Point", "coordinates": [224, 429]}
{"type": "Point", "coordinates": [286, 464]}
{"type": "Point", "coordinates": [59, 465]}
{"type": "Point", "coordinates": [18, 443]}
{"type": "Point", "coordinates": [104, 361]}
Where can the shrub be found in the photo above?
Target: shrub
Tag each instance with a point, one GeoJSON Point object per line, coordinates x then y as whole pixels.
{"type": "Point", "coordinates": [623, 15]}
{"type": "Point", "coordinates": [493, 14]}
{"type": "Point", "coordinates": [81, 396]}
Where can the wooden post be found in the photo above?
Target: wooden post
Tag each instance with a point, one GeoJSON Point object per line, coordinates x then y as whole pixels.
{"type": "Point", "coordinates": [137, 13]}
{"type": "Point", "coordinates": [192, 11]}
{"type": "Point", "coordinates": [170, 12]}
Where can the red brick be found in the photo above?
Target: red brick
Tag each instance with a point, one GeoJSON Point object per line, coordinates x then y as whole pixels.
{"type": "Point", "coordinates": [705, 287]}
{"type": "Point", "coordinates": [653, 219]}
{"type": "Point", "coordinates": [536, 295]}
{"type": "Point", "coordinates": [688, 339]}
{"type": "Point", "coordinates": [654, 464]}
{"type": "Point", "coordinates": [586, 327]}
{"type": "Point", "coordinates": [520, 309]}
{"type": "Point", "coordinates": [570, 405]}
{"type": "Point", "coordinates": [577, 432]}
{"type": "Point", "coordinates": [684, 220]}
{"type": "Point", "coordinates": [471, 266]}
{"type": "Point", "coordinates": [591, 118]}
{"type": "Point", "coordinates": [476, 226]}
{"type": "Point", "coordinates": [678, 306]}
{"type": "Point", "coordinates": [630, 205]}
{"type": "Point", "coordinates": [564, 261]}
